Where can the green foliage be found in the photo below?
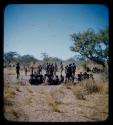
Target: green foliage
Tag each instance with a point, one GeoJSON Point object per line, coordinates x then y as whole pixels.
{"type": "Point", "coordinates": [15, 57]}
{"type": "Point", "coordinates": [10, 57]}
{"type": "Point", "coordinates": [27, 59]}
{"type": "Point", "coordinates": [93, 46]}
{"type": "Point", "coordinates": [54, 60]}
{"type": "Point", "coordinates": [48, 59]}
{"type": "Point", "coordinates": [45, 57]}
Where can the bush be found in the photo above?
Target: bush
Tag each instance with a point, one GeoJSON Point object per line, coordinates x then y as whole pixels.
{"type": "Point", "coordinates": [94, 87]}
{"type": "Point", "coordinates": [87, 87]}
{"type": "Point", "coordinates": [79, 92]}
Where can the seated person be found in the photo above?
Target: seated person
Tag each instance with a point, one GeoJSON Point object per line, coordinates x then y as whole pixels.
{"type": "Point", "coordinates": [61, 78]}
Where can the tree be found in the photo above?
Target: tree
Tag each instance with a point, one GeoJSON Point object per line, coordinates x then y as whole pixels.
{"type": "Point", "coordinates": [91, 45]}
{"type": "Point", "coordinates": [25, 59]}
{"type": "Point", "coordinates": [10, 57]}
{"type": "Point", "coordinates": [45, 57]}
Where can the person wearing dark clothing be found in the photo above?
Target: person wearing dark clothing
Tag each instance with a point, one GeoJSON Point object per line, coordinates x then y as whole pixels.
{"type": "Point", "coordinates": [40, 69]}
{"type": "Point", "coordinates": [25, 71]}
{"type": "Point", "coordinates": [57, 80]}
{"type": "Point", "coordinates": [32, 68]}
{"type": "Point", "coordinates": [69, 75]}
{"type": "Point", "coordinates": [50, 80]}
{"type": "Point", "coordinates": [69, 70]}
{"type": "Point", "coordinates": [61, 68]}
{"type": "Point", "coordinates": [66, 72]}
{"type": "Point", "coordinates": [55, 69]}
{"type": "Point", "coordinates": [32, 79]}
{"type": "Point", "coordinates": [36, 79]}
{"type": "Point", "coordinates": [18, 70]}
{"type": "Point", "coordinates": [47, 68]}
{"type": "Point", "coordinates": [51, 70]}
{"type": "Point", "coordinates": [80, 76]}
{"type": "Point", "coordinates": [73, 69]}
{"type": "Point", "coordinates": [41, 78]}
{"type": "Point", "coordinates": [61, 78]}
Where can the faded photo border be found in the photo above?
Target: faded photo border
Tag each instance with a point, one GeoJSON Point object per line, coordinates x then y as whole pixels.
{"type": "Point", "coordinates": [106, 3]}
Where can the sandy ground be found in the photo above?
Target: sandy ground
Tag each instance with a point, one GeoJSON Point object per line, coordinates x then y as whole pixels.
{"type": "Point", "coordinates": [49, 103]}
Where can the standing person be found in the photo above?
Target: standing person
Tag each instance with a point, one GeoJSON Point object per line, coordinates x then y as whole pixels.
{"type": "Point", "coordinates": [47, 68]}
{"type": "Point", "coordinates": [61, 68]}
{"type": "Point", "coordinates": [32, 68]}
{"type": "Point", "coordinates": [40, 69]}
{"type": "Point", "coordinates": [55, 69]}
{"type": "Point", "coordinates": [73, 69]}
{"type": "Point", "coordinates": [61, 78]}
{"type": "Point", "coordinates": [25, 70]}
{"type": "Point", "coordinates": [18, 70]}
{"type": "Point", "coordinates": [69, 72]}
{"type": "Point", "coordinates": [51, 70]}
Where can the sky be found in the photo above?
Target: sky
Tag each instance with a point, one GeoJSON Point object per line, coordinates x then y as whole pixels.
{"type": "Point", "coordinates": [36, 28]}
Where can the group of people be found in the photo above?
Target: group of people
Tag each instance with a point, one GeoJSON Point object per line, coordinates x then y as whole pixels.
{"type": "Point", "coordinates": [84, 75]}
{"type": "Point", "coordinates": [70, 72]}
{"type": "Point", "coordinates": [51, 69]}
{"type": "Point", "coordinates": [97, 70]}
{"type": "Point", "coordinates": [94, 70]}
{"type": "Point", "coordinates": [50, 77]}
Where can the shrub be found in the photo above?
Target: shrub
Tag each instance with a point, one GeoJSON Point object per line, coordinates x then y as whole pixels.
{"type": "Point", "coordinates": [94, 87]}
{"type": "Point", "coordinates": [79, 92]}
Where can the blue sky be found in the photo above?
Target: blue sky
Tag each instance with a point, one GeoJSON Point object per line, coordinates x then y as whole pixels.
{"type": "Point", "coordinates": [36, 28]}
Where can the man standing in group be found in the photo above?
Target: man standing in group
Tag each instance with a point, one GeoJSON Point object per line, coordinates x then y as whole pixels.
{"type": "Point", "coordinates": [18, 70]}
{"type": "Point", "coordinates": [25, 68]}
{"type": "Point", "coordinates": [32, 69]}
{"type": "Point", "coordinates": [73, 69]}
{"type": "Point", "coordinates": [61, 67]}
{"type": "Point", "coordinates": [55, 69]}
{"type": "Point", "coordinates": [47, 68]}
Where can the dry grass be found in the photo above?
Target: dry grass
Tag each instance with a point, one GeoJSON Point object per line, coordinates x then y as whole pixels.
{"type": "Point", "coordinates": [29, 100]}
{"type": "Point", "coordinates": [95, 108]}
{"type": "Point", "coordinates": [9, 94]}
{"type": "Point", "coordinates": [54, 99]}
{"type": "Point", "coordinates": [87, 87]}
{"type": "Point", "coordinates": [57, 95]}
{"type": "Point", "coordinates": [79, 92]}
{"type": "Point", "coordinates": [42, 91]}
{"type": "Point", "coordinates": [53, 104]}
{"type": "Point", "coordinates": [92, 99]}
{"type": "Point", "coordinates": [11, 71]}
{"type": "Point", "coordinates": [95, 87]}
{"type": "Point", "coordinates": [30, 90]}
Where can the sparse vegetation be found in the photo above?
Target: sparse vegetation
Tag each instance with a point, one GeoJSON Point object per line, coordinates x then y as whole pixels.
{"type": "Point", "coordinates": [57, 95]}
{"type": "Point", "coordinates": [94, 87]}
{"type": "Point", "coordinates": [42, 90]}
{"type": "Point", "coordinates": [53, 104]}
{"type": "Point", "coordinates": [87, 87]}
{"type": "Point", "coordinates": [79, 92]}
{"type": "Point", "coordinates": [89, 99]}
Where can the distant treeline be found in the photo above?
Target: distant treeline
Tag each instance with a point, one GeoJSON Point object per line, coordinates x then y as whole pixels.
{"type": "Point", "coordinates": [14, 57]}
